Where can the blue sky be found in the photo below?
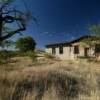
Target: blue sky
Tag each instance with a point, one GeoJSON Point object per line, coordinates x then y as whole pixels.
{"type": "Point", "coordinates": [60, 20]}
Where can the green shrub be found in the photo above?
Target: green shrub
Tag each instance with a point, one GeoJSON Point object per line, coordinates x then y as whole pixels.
{"type": "Point", "coordinates": [25, 44]}
{"type": "Point", "coordinates": [5, 56]}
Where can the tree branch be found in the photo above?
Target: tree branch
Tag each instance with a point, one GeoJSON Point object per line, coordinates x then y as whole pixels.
{"type": "Point", "coordinates": [10, 19]}
{"type": "Point", "coordinates": [10, 34]}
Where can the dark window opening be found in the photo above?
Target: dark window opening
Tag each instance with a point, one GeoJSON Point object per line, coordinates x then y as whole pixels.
{"type": "Point", "coordinates": [53, 50]}
{"type": "Point", "coordinates": [97, 48]}
{"type": "Point", "coordinates": [76, 49]}
{"type": "Point", "coordinates": [61, 49]}
{"type": "Point", "coordinates": [86, 50]}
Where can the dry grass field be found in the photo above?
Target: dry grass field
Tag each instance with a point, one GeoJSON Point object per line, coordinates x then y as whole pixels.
{"type": "Point", "coordinates": [47, 79]}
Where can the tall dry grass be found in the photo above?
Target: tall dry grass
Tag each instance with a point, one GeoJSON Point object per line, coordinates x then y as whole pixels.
{"type": "Point", "coordinates": [58, 81]}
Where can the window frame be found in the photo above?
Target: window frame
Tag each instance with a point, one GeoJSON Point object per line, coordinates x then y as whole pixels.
{"type": "Point", "coordinates": [61, 50]}
{"type": "Point", "coordinates": [97, 48]}
{"type": "Point", "coordinates": [76, 49]}
{"type": "Point", "coordinates": [53, 50]}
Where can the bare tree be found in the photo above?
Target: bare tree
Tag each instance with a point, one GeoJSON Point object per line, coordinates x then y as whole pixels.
{"type": "Point", "coordinates": [9, 15]}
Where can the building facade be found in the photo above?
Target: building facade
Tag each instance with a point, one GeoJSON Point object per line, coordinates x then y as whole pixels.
{"type": "Point", "coordinates": [72, 50]}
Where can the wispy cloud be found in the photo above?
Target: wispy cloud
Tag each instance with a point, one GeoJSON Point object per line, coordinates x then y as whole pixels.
{"type": "Point", "coordinates": [55, 33]}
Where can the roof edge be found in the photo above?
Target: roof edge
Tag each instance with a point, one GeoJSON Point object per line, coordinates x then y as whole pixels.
{"type": "Point", "coordinates": [70, 42]}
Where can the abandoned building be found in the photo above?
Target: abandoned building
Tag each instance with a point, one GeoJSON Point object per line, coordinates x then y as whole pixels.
{"type": "Point", "coordinates": [75, 48]}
